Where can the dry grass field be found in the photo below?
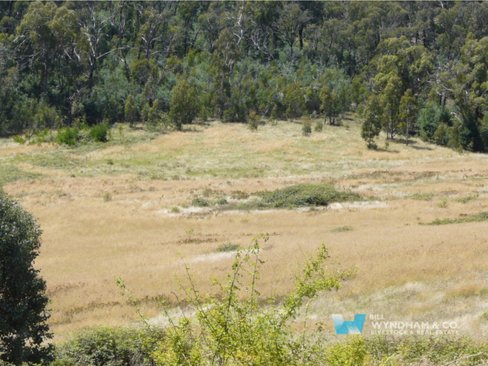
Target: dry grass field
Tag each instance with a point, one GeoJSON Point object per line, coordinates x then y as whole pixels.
{"type": "Point", "coordinates": [124, 210]}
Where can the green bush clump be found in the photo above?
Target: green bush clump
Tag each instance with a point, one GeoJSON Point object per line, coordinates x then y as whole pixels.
{"type": "Point", "coordinates": [100, 132]}
{"type": "Point", "coordinates": [349, 353]}
{"type": "Point", "coordinates": [307, 128]}
{"type": "Point", "coordinates": [228, 247]}
{"type": "Point", "coordinates": [109, 347]}
{"type": "Point", "coordinates": [68, 136]}
{"type": "Point", "coordinates": [200, 202]}
{"type": "Point", "coordinates": [306, 195]}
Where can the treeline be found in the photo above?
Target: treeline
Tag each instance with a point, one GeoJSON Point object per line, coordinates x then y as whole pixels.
{"type": "Point", "coordinates": [411, 68]}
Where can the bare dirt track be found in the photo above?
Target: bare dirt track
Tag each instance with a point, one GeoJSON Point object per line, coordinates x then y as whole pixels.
{"type": "Point", "coordinates": [124, 210]}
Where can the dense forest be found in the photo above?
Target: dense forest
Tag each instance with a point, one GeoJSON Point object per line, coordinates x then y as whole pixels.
{"type": "Point", "coordinates": [409, 68]}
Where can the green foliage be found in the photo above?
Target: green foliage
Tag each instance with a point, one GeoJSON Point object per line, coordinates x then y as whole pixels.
{"type": "Point", "coordinates": [61, 61]}
{"type": "Point", "coordinates": [441, 135]}
{"type": "Point", "coordinates": [184, 105]}
{"type": "Point", "coordinates": [442, 350]}
{"type": "Point", "coordinates": [109, 347]}
{"type": "Point", "coordinates": [479, 217]}
{"type": "Point", "coordinates": [130, 110]}
{"type": "Point", "coordinates": [234, 329]}
{"type": "Point", "coordinates": [335, 95]}
{"type": "Point", "coordinates": [319, 126]}
{"type": "Point", "coordinates": [293, 101]}
{"type": "Point", "coordinates": [228, 247]}
{"type": "Point", "coordinates": [306, 128]}
{"type": "Point", "coordinates": [306, 195]}
{"type": "Point", "coordinates": [348, 353]}
{"type": "Point", "coordinates": [100, 132]}
{"type": "Point", "coordinates": [200, 202]}
{"type": "Point", "coordinates": [430, 118]}
{"type": "Point", "coordinates": [24, 332]}
{"type": "Point", "coordinates": [371, 127]}
{"type": "Point", "coordinates": [68, 136]}
{"type": "Point", "coordinates": [253, 121]}
{"type": "Point", "coordinates": [407, 113]}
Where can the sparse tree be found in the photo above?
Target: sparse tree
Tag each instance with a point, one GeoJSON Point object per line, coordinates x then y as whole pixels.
{"type": "Point", "coordinates": [184, 104]}
{"type": "Point", "coordinates": [371, 127]}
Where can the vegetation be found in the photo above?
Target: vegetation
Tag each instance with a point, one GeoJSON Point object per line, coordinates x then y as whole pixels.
{"type": "Point", "coordinates": [235, 329]}
{"type": "Point", "coordinates": [24, 333]}
{"type": "Point", "coordinates": [299, 195]}
{"type": "Point", "coordinates": [302, 195]}
{"type": "Point", "coordinates": [421, 70]}
{"type": "Point", "coordinates": [479, 217]}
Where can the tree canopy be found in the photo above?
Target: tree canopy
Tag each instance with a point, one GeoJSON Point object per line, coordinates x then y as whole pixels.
{"type": "Point", "coordinates": [64, 63]}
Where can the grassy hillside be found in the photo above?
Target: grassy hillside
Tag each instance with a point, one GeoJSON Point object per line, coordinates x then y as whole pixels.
{"type": "Point", "coordinates": [127, 209]}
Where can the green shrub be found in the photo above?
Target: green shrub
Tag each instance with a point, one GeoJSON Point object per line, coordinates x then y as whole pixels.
{"type": "Point", "coordinates": [319, 126]}
{"type": "Point", "coordinates": [349, 353]}
{"type": "Point", "coordinates": [200, 202]}
{"type": "Point", "coordinates": [109, 347]}
{"type": "Point", "coordinates": [19, 139]}
{"type": "Point", "coordinates": [68, 136]}
{"type": "Point", "coordinates": [100, 132]}
{"type": "Point", "coordinates": [184, 106]}
{"type": "Point", "coordinates": [293, 100]}
{"type": "Point", "coordinates": [234, 329]}
{"type": "Point", "coordinates": [42, 136]}
{"type": "Point", "coordinates": [306, 195]}
{"type": "Point", "coordinates": [228, 247]}
{"type": "Point", "coordinates": [429, 119]}
{"type": "Point", "coordinates": [253, 121]}
{"type": "Point", "coordinates": [307, 128]}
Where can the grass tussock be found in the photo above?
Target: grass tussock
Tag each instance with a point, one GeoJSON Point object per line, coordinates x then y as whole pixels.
{"type": "Point", "coordinates": [422, 196]}
{"type": "Point", "coordinates": [228, 247]}
{"type": "Point", "coordinates": [342, 229]}
{"type": "Point", "coordinates": [479, 217]}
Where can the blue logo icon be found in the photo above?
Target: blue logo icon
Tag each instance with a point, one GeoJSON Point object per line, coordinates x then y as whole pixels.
{"type": "Point", "coordinates": [349, 327]}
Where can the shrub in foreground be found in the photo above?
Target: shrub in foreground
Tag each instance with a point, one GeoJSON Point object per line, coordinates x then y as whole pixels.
{"type": "Point", "coordinates": [110, 347]}
{"type": "Point", "coordinates": [235, 329]}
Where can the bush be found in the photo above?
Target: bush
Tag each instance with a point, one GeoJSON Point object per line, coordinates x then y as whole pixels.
{"type": "Point", "coordinates": [319, 126]}
{"type": "Point", "coordinates": [293, 101]}
{"type": "Point", "coordinates": [350, 353]}
{"type": "Point", "coordinates": [200, 202]}
{"type": "Point", "coordinates": [46, 116]}
{"type": "Point", "coordinates": [441, 134]}
{"type": "Point", "coordinates": [184, 106]}
{"type": "Point", "coordinates": [234, 329]}
{"type": "Point", "coordinates": [109, 347]}
{"type": "Point", "coordinates": [68, 136]}
{"type": "Point", "coordinates": [100, 132]}
{"type": "Point", "coordinates": [306, 128]}
{"type": "Point", "coordinates": [253, 121]}
{"type": "Point", "coordinates": [306, 195]}
{"type": "Point", "coordinates": [429, 119]}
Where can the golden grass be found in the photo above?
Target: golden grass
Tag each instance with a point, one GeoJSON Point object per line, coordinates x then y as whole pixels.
{"type": "Point", "coordinates": [118, 211]}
